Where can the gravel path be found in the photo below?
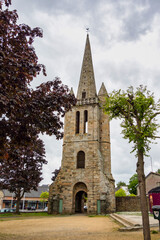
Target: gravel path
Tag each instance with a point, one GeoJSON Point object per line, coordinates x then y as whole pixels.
{"type": "Point", "coordinates": [66, 227]}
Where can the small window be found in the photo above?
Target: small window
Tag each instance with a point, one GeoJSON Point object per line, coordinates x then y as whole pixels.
{"type": "Point", "coordinates": [77, 121]}
{"type": "Point", "coordinates": [85, 121]}
{"type": "Point", "coordinates": [81, 159]}
{"type": "Point", "coordinates": [83, 95]}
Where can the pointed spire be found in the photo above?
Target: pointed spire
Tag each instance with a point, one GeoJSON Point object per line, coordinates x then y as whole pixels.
{"type": "Point", "coordinates": [102, 90]}
{"type": "Point", "coordinates": [87, 87]}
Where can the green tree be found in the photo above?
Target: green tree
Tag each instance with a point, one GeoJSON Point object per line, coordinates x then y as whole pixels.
{"type": "Point", "coordinates": [133, 181]}
{"type": "Point", "coordinates": [44, 197]}
{"type": "Point", "coordinates": [138, 111]}
{"type": "Point", "coordinates": [120, 183]}
{"type": "Point", "coordinates": [158, 171]}
{"type": "Point", "coordinates": [120, 193]}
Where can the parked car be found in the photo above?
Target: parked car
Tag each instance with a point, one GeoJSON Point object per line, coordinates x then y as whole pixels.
{"type": "Point", "coordinates": [33, 207]}
{"type": "Point", "coordinates": [46, 209]}
{"type": "Point", "coordinates": [3, 210]}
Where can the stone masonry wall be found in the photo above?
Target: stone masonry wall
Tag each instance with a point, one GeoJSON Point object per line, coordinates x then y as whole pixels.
{"type": "Point", "coordinates": [128, 204]}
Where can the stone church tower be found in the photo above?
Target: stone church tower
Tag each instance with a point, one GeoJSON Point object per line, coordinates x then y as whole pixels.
{"type": "Point", "coordinates": [85, 182]}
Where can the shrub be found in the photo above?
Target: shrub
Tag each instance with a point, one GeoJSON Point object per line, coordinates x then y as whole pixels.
{"type": "Point", "coordinates": [132, 195]}
{"type": "Point", "coordinates": [120, 193]}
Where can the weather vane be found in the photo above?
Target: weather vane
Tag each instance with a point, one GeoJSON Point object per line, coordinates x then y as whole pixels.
{"type": "Point", "coordinates": [87, 30]}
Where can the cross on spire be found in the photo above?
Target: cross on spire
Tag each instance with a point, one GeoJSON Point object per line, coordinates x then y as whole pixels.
{"type": "Point", "coordinates": [87, 30]}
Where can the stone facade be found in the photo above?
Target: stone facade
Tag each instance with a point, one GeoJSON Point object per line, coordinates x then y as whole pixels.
{"type": "Point", "coordinates": [85, 182]}
{"type": "Point", "coordinates": [152, 181]}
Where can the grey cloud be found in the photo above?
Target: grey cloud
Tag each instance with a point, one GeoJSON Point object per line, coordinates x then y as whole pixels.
{"type": "Point", "coordinates": [56, 6]}
{"type": "Point", "coordinates": [135, 23]}
{"type": "Point", "coordinates": [64, 58]}
{"type": "Point", "coordinates": [139, 22]}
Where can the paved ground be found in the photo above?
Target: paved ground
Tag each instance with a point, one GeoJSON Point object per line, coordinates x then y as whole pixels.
{"type": "Point", "coordinates": [136, 219]}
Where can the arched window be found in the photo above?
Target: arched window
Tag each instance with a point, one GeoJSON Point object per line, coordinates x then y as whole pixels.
{"type": "Point", "coordinates": [77, 121]}
{"type": "Point", "coordinates": [81, 159]}
{"type": "Point", "coordinates": [85, 121]}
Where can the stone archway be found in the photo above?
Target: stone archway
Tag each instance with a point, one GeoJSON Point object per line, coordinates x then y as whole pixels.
{"type": "Point", "coordinates": [80, 198]}
{"type": "Point", "coordinates": [81, 202]}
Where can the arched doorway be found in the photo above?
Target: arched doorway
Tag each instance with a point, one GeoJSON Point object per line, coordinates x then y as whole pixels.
{"type": "Point", "coordinates": [81, 202]}
{"type": "Point", "coordinates": [80, 197]}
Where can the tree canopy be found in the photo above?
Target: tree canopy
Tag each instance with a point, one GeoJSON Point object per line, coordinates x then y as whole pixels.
{"type": "Point", "coordinates": [158, 171]}
{"type": "Point", "coordinates": [138, 111]}
{"type": "Point", "coordinates": [121, 183]}
{"type": "Point", "coordinates": [132, 186]}
{"type": "Point", "coordinates": [55, 174]}
{"type": "Point", "coordinates": [44, 196]}
{"type": "Point", "coordinates": [25, 112]}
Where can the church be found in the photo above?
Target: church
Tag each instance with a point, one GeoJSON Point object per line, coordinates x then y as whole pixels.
{"type": "Point", "coordinates": [85, 182]}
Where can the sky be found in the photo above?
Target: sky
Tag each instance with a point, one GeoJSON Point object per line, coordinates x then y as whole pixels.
{"type": "Point", "coordinates": [125, 43]}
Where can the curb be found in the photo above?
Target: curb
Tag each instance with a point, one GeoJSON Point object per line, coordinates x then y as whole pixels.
{"type": "Point", "coordinates": [128, 226]}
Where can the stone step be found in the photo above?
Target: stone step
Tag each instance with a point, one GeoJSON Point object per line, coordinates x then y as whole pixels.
{"type": "Point", "coordinates": [121, 220]}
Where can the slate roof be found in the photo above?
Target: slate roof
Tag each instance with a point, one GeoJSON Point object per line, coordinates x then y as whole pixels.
{"type": "Point", "coordinates": [31, 194]}
{"type": "Point", "coordinates": [155, 190]}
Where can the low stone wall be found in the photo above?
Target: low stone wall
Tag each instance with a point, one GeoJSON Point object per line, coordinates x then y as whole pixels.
{"type": "Point", "coordinates": [128, 204]}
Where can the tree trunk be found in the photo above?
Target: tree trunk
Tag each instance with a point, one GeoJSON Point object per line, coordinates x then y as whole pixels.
{"type": "Point", "coordinates": [17, 205]}
{"type": "Point", "coordinates": [143, 198]}
{"type": "Point", "coordinates": [19, 194]}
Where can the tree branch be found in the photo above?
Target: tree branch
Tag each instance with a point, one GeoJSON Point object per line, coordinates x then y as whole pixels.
{"type": "Point", "coordinates": [154, 136]}
{"type": "Point", "coordinates": [129, 120]}
{"type": "Point", "coordinates": [154, 115]}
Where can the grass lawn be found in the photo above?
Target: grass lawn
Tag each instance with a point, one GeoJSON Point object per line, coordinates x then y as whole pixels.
{"type": "Point", "coordinates": [13, 216]}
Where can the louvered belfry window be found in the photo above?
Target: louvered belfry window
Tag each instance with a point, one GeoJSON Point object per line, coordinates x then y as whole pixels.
{"type": "Point", "coordinates": [81, 159]}
{"type": "Point", "coordinates": [77, 121]}
{"type": "Point", "coordinates": [85, 121]}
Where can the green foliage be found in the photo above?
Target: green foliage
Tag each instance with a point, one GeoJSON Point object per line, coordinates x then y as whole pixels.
{"type": "Point", "coordinates": [154, 232]}
{"type": "Point", "coordinates": [132, 195]}
{"type": "Point", "coordinates": [132, 184]}
{"type": "Point", "coordinates": [120, 193]}
{"type": "Point", "coordinates": [138, 111]}
{"type": "Point", "coordinates": [120, 183]}
{"type": "Point", "coordinates": [44, 196]}
{"type": "Point", "coordinates": [158, 171]}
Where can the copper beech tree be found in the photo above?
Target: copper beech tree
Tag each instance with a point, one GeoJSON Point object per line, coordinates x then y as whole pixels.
{"type": "Point", "coordinates": [138, 111]}
{"type": "Point", "coordinates": [25, 112]}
